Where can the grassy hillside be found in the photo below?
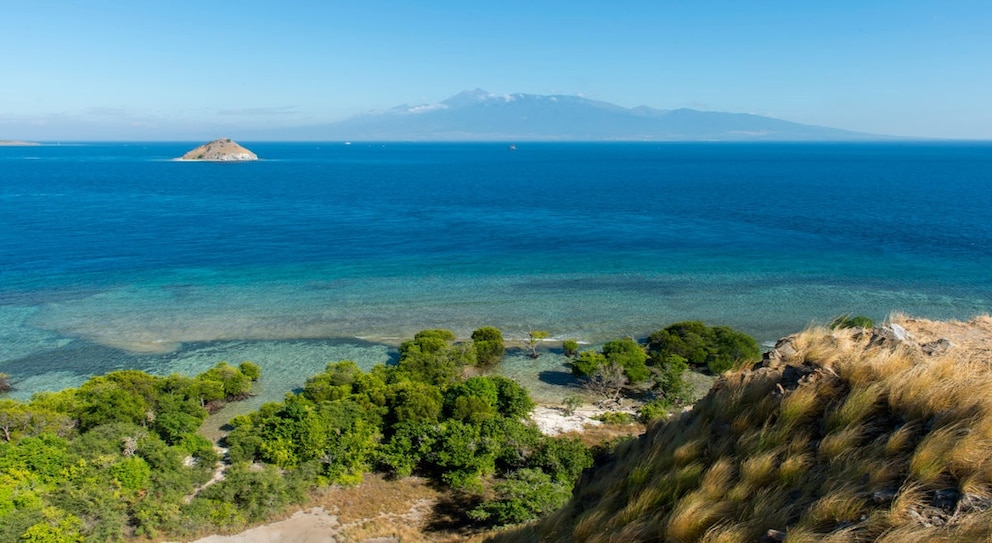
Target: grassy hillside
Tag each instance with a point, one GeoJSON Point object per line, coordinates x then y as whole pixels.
{"type": "Point", "coordinates": [837, 435]}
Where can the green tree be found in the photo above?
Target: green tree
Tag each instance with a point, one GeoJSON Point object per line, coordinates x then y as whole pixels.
{"type": "Point", "coordinates": [351, 443]}
{"type": "Point", "coordinates": [250, 370]}
{"type": "Point", "coordinates": [670, 381]}
{"type": "Point", "coordinates": [570, 347]}
{"type": "Point", "coordinates": [20, 420]}
{"type": "Point", "coordinates": [473, 401]}
{"type": "Point", "coordinates": [512, 400]}
{"type": "Point", "coordinates": [718, 348]}
{"type": "Point", "coordinates": [104, 402]}
{"type": "Point", "coordinates": [235, 384]}
{"type": "Point", "coordinates": [56, 527]}
{"type": "Point", "coordinates": [334, 383]}
{"type": "Point", "coordinates": [524, 495]}
{"type": "Point", "coordinates": [731, 348]}
{"type": "Point", "coordinates": [630, 355]}
{"type": "Point", "coordinates": [489, 347]}
{"type": "Point", "coordinates": [414, 402]}
{"type": "Point", "coordinates": [534, 337]}
{"type": "Point", "coordinates": [432, 358]}
{"type": "Point", "coordinates": [587, 363]}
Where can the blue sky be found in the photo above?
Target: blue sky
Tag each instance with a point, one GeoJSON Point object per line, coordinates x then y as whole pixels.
{"type": "Point", "coordinates": [140, 69]}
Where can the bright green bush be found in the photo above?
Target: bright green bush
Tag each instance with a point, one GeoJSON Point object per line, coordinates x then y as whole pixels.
{"type": "Point", "coordinates": [570, 347]}
{"type": "Point", "coordinates": [523, 495]}
{"type": "Point", "coordinates": [250, 370]}
{"type": "Point", "coordinates": [615, 417]}
{"type": "Point", "coordinates": [587, 363]}
{"type": "Point", "coordinates": [630, 355]}
{"type": "Point", "coordinates": [717, 348]}
{"type": "Point", "coordinates": [489, 347]}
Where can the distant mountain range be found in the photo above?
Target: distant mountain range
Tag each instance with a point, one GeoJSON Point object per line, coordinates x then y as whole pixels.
{"type": "Point", "coordinates": [477, 115]}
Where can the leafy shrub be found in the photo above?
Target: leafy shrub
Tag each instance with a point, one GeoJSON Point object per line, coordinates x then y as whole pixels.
{"type": "Point", "coordinates": [570, 347]}
{"type": "Point", "coordinates": [489, 347]}
{"type": "Point", "coordinates": [587, 363]}
{"type": "Point", "coordinates": [512, 400]}
{"type": "Point", "coordinates": [570, 403]}
{"type": "Point", "coordinates": [251, 370]}
{"type": "Point", "coordinates": [670, 381]}
{"type": "Point", "coordinates": [718, 348]}
{"type": "Point", "coordinates": [432, 358]}
{"type": "Point", "coordinates": [655, 409]}
{"type": "Point", "coordinates": [524, 495]}
{"type": "Point", "coordinates": [630, 355]}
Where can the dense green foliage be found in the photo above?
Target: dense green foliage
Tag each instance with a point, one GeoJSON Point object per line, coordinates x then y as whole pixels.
{"type": "Point", "coordinates": [624, 366]}
{"type": "Point", "coordinates": [105, 461]}
{"type": "Point", "coordinates": [623, 362]}
{"type": "Point", "coordinates": [119, 457]}
{"type": "Point", "coordinates": [718, 348]}
{"type": "Point", "coordinates": [418, 417]}
{"type": "Point", "coordinates": [489, 348]}
{"type": "Point", "coordinates": [626, 352]}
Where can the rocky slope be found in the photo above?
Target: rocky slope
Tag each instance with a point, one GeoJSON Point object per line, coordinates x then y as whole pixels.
{"type": "Point", "coordinates": [222, 150]}
{"type": "Point", "coordinates": [837, 435]}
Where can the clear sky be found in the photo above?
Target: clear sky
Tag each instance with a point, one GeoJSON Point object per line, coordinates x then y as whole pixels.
{"type": "Point", "coordinates": [144, 69]}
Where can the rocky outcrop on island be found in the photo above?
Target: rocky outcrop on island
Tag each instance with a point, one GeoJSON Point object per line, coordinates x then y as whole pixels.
{"type": "Point", "coordinates": [222, 150]}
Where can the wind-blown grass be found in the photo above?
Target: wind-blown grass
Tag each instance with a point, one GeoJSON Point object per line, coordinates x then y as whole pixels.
{"type": "Point", "coordinates": [837, 438]}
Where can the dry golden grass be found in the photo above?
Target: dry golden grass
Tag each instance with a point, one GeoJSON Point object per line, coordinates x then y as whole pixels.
{"type": "Point", "coordinates": [843, 440]}
{"type": "Point", "coordinates": [400, 510]}
{"type": "Point", "coordinates": [694, 515]}
{"type": "Point", "coordinates": [593, 435]}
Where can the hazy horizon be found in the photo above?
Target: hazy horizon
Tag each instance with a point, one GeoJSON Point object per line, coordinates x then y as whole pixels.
{"type": "Point", "coordinates": [190, 71]}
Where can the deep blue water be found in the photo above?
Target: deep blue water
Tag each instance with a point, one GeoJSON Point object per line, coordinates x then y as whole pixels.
{"type": "Point", "coordinates": [113, 255]}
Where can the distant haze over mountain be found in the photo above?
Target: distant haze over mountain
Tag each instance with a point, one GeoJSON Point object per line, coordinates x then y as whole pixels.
{"type": "Point", "coordinates": [477, 115]}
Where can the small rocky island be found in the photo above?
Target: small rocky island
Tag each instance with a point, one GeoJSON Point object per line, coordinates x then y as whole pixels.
{"type": "Point", "coordinates": [222, 150]}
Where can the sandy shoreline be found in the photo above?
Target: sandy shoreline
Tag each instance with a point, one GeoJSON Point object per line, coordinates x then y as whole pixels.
{"type": "Point", "coordinates": [306, 526]}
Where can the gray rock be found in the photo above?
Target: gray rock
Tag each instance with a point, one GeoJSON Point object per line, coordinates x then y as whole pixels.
{"type": "Point", "coordinates": [937, 347]}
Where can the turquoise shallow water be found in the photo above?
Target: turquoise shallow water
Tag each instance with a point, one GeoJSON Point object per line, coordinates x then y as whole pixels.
{"type": "Point", "coordinates": [112, 255]}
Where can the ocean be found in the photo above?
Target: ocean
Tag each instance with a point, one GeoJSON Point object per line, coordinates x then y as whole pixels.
{"type": "Point", "coordinates": [112, 255]}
